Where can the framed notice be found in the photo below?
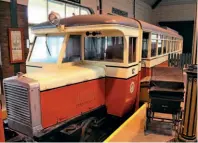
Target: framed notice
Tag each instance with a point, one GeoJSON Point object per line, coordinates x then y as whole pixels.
{"type": "Point", "coordinates": [16, 44]}
{"type": "Point", "coordinates": [76, 1]}
{"type": "Point", "coordinates": [119, 12]}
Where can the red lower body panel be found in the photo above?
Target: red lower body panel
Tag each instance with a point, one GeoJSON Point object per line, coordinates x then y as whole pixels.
{"type": "Point", "coordinates": [164, 64]}
{"type": "Point", "coordinates": [147, 71]}
{"type": "Point", "coordinates": [121, 95]}
{"type": "Point", "coordinates": [67, 102]}
{"type": "Point", "coordinates": [138, 92]}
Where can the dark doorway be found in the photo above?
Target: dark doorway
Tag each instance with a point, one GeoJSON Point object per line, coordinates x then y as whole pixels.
{"type": "Point", "coordinates": [185, 28]}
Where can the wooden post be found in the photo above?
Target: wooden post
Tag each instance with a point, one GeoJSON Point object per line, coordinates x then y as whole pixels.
{"type": "Point", "coordinates": [195, 39]}
{"type": "Point", "coordinates": [188, 132]}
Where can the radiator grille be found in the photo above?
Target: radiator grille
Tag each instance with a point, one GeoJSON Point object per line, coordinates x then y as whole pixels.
{"type": "Point", "coordinates": [17, 104]}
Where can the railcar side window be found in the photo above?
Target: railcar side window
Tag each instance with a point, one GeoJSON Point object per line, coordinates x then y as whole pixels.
{"type": "Point", "coordinates": [159, 45]}
{"type": "Point", "coordinates": [109, 49]}
{"type": "Point", "coordinates": [145, 45]}
{"type": "Point", "coordinates": [153, 45]}
{"type": "Point", "coordinates": [132, 49]}
{"type": "Point", "coordinates": [177, 45]}
{"type": "Point", "coordinates": [170, 46]}
{"type": "Point", "coordinates": [46, 49]}
{"type": "Point", "coordinates": [73, 49]}
{"type": "Point", "coordinates": [173, 44]}
{"type": "Point", "coordinates": [164, 46]}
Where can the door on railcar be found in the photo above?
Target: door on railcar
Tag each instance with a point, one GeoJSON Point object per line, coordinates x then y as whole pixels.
{"type": "Point", "coordinates": [122, 82]}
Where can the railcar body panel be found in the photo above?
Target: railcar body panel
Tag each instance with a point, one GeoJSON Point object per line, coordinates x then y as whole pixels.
{"type": "Point", "coordinates": [67, 102]}
{"type": "Point", "coordinates": [121, 95]}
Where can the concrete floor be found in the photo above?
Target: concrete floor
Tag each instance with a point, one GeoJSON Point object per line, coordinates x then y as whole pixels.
{"type": "Point", "coordinates": [133, 129]}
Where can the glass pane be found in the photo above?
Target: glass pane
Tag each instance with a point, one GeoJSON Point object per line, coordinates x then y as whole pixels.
{"type": "Point", "coordinates": [145, 45]}
{"type": "Point", "coordinates": [57, 7]}
{"type": "Point", "coordinates": [153, 45]}
{"type": "Point", "coordinates": [46, 49]}
{"type": "Point", "coordinates": [173, 46]}
{"type": "Point", "coordinates": [73, 49]}
{"type": "Point", "coordinates": [31, 35]}
{"type": "Point", "coordinates": [72, 10]}
{"type": "Point", "coordinates": [145, 48]}
{"type": "Point", "coordinates": [165, 46]}
{"type": "Point", "coordinates": [84, 11]}
{"type": "Point", "coordinates": [109, 49]}
{"type": "Point", "coordinates": [37, 11]}
{"type": "Point", "coordinates": [176, 45]}
{"type": "Point", "coordinates": [170, 46]}
{"type": "Point", "coordinates": [159, 47]}
{"type": "Point", "coordinates": [132, 49]}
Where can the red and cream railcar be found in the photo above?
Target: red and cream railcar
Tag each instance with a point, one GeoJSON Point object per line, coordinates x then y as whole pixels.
{"type": "Point", "coordinates": [85, 63]}
{"type": "Point", "coordinates": [157, 44]}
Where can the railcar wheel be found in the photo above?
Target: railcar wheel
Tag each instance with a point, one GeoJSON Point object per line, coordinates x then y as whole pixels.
{"type": "Point", "coordinates": [86, 128]}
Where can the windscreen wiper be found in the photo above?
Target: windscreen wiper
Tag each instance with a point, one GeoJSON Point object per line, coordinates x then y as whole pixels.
{"type": "Point", "coordinates": [47, 47]}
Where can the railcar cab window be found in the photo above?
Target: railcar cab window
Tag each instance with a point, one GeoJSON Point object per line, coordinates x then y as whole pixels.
{"type": "Point", "coordinates": [132, 49]}
{"type": "Point", "coordinates": [153, 45]}
{"type": "Point", "coordinates": [73, 49]}
{"type": "Point", "coordinates": [46, 49]}
{"type": "Point", "coordinates": [110, 49]}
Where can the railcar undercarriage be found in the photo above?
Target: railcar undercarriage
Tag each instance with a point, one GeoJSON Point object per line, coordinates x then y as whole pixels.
{"type": "Point", "coordinates": [94, 126]}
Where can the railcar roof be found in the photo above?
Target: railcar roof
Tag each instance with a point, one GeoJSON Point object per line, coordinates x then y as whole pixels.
{"type": "Point", "coordinates": [84, 20]}
{"type": "Point", "coordinates": [150, 27]}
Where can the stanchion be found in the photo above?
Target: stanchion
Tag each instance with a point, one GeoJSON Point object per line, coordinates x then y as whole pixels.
{"type": "Point", "coordinates": [188, 127]}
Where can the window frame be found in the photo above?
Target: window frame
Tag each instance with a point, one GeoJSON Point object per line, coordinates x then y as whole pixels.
{"type": "Point", "coordinates": [148, 45]}
{"type": "Point", "coordinates": [156, 53]}
{"type": "Point", "coordinates": [66, 42]}
{"type": "Point", "coordinates": [108, 62]}
{"type": "Point", "coordinates": [33, 46]}
{"type": "Point", "coordinates": [136, 50]}
{"type": "Point", "coordinates": [172, 44]}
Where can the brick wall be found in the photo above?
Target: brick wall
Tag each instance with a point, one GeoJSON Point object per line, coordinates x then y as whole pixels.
{"type": "Point", "coordinates": [7, 69]}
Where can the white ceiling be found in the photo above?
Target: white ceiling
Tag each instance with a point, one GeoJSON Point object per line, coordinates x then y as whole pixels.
{"type": "Point", "coordinates": [169, 2]}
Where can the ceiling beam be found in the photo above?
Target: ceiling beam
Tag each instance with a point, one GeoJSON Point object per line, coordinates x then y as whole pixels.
{"type": "Point", "coordinates": [156, 4]}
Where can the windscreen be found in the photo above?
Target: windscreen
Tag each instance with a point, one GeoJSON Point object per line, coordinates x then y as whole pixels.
{"type": "Point", "coordinates": [46, 49]}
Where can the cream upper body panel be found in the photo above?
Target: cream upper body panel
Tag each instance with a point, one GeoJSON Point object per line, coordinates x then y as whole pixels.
{"type": "Point", "coordinates": [59, 76]}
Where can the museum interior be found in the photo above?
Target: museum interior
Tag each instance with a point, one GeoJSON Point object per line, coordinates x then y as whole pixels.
{"type": "Point", "coordinates": [98, 70]}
